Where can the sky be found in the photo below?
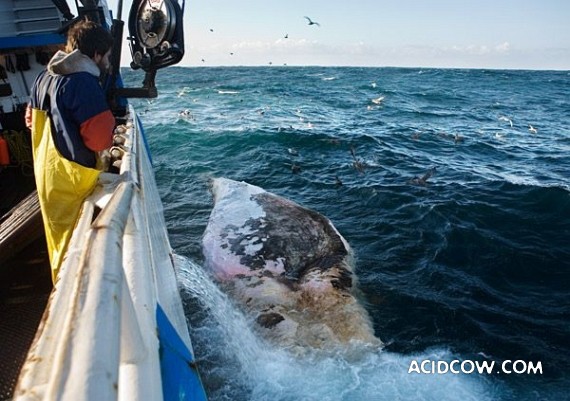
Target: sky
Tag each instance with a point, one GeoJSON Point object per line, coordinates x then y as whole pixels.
{"type": "Point", "coordinates": [496, 34]}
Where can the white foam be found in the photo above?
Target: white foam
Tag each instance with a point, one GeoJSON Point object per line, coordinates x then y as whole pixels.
{"type": "Point", "coordinates": [247, 368]}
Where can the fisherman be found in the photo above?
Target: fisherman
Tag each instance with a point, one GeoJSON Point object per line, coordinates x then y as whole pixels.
{"type": "Point", "coordinates": [70, 122]}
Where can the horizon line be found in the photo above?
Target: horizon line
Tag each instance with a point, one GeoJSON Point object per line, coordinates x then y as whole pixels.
{"type": "Point", "coordinates": [363, 66]}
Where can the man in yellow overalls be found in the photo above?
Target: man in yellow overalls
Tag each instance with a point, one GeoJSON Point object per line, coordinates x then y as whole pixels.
{"type": "Point", "coordinates": [70, 122]}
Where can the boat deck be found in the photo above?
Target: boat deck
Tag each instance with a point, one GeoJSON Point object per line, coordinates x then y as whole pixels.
{"type": "Point", "coordinates": [25, 286]}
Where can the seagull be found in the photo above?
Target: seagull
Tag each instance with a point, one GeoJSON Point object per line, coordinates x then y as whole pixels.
{"type": "Point", "coordinates": [295, 168]}
{"type": "Point", "coordinates": [286, 36]}
{"type": "Point", "coordinates": [532, 129]}
{"type": "Point", "coordinates": [378, 100]}
{"type": "Point", "coordinates": [186, 113]}
{"type": "Point", "coordinates": [423, 180]}
{"type": "Point", "coordinates": [311, 22]}
{"type": "Point", "coordinates": [358, 165]}
{"type": "Point", "coordinates": [503, 118]}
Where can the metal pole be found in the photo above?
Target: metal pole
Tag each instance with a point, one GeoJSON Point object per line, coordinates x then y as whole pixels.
{"type": "Point", "coordinates": [119, 10]}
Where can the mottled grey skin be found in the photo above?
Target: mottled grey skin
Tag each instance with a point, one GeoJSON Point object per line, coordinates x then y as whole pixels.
{"type": "Point", "coordinates": [287, 265]}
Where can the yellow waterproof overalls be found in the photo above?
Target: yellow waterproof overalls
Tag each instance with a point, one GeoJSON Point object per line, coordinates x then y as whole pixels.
{"type": "Point", "coordinates": [62, 187]}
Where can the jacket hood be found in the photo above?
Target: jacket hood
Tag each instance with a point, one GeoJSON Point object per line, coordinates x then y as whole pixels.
{"type": "Point", "coordinates": [63, 63]}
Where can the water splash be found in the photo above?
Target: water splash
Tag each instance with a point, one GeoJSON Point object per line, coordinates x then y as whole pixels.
{"type": "Point", "coordinates": [237, 364]}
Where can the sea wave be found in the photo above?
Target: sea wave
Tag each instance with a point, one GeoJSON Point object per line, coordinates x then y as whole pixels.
{"type": "Point", "coordinates": [473, 258]}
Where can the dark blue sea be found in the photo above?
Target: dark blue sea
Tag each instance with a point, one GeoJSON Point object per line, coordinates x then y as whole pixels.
{"type": "Point", "coordinates": [452, 187]}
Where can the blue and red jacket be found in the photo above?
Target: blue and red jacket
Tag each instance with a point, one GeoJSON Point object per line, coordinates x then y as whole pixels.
{"type": "Point", "coordinates": [69, 90]}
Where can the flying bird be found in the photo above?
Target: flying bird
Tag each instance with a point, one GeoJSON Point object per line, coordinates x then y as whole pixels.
{"type": "Point", "coordinates": [378, 100]}
{"type": "Point", "coordinates": [532, 129]}
{"type": "Point", "coordinates": [311, 22]}
{"type": "Point", "coordinates": [358, 165]}
{"type": "Point", "coordinates": [423, 180]}
{"type": "Point", "coordinates": [507, 119]}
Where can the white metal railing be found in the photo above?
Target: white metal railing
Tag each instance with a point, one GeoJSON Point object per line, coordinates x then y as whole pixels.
{"type": "Point", "coordinates": [91, 351]}
{"type": "Point", "coordinates": [98, 339]}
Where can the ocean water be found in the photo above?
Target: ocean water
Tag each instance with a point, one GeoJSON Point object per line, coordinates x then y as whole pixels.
{"type": "Point", "coordinates": [472, 263]}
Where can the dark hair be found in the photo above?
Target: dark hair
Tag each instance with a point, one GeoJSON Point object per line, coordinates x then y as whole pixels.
{"type": "Point", "coordinates": [89, 37]}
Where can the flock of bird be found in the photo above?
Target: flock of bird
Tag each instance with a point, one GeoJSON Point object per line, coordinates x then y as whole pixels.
{"type": "Point", "coordinates": [360, 165]}
{"type": "Point", "coordinates": [309, 22]}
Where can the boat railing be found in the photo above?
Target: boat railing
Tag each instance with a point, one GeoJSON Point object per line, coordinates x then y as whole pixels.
{"type": "Point", "coordinates": [101, 332]}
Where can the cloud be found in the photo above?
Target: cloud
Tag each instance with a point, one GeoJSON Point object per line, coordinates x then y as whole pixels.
{"type": "Point", "coordinates": [257, 45]}
{"type": "Point", "coordinates": [503, 47]}
{"type": "Point", "coordinates": [261, 45]}
{"type": "Point", "coordinates": [477, 50]}
{"type": "Point", "coordinates": [304, 51]}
